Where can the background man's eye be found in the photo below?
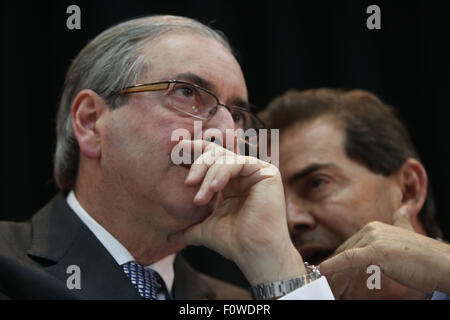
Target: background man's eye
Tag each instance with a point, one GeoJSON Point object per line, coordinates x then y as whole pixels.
{"type": "Point", "coordinates": [312, 187]}
{"type": "Point", "coordinates": [316, 183]}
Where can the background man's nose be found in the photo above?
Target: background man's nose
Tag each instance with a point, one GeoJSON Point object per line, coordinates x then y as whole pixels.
{"type": "Point", "coordinates": [298, 218]}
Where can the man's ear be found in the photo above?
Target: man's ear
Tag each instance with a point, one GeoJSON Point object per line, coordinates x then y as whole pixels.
{"type": "Point", "coordinates": [87, 111]}
{"type": "Point", "coordinates": [413, 182]}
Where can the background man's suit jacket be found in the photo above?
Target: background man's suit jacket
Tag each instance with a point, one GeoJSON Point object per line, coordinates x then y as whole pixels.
{"type": "Point", "coordinates": [35, 255]}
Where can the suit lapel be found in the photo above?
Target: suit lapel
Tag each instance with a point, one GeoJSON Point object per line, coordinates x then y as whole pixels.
{"type": "Point", "coordinates": [60, 239]}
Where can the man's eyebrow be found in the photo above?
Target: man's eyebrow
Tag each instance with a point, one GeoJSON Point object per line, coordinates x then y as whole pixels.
{"type": "Point", "coordinates": [195, 79]}
{"type": "Point", "coordinates": [307, 171]}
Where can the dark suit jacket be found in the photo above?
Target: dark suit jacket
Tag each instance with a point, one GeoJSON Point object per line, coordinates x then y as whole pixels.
{"type": "Point", "coordinates": [35, 255]}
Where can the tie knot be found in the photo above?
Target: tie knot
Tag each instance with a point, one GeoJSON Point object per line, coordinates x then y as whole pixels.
{"type": "Point", "coordinates": [148, 282]}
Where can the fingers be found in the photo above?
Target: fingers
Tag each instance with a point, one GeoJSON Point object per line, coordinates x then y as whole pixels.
{"type": "Point", "coordinates": [341, 284]}
{"type": "Point", "coordinates": [189, 236]}
{"type": "Point", "coordinates": [371, 232]}
{"type": "Point", "coordinates": [402, 218]}
{"type": "Point", "coordinates": [221, 172]}
{"type": "Point", "coordinates": [352, 258]}
{"type": "Point", "coordinates": [215, 179]}
{"type": "Point", "coordinates": [338, 283]}
{"type": "Point", "coordinates": [351, 242]}
{"type": "Point", "coordinates": [216, 166]}
{"type": "Point", "coordinates": [209, 153]}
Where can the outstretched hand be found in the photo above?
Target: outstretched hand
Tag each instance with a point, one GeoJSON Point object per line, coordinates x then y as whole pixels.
{"type": "Point", "coordinates": [414, 260]}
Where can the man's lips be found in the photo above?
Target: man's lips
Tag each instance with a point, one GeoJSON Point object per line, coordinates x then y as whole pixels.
{"type": "Point", "coordinates": [315, 254]}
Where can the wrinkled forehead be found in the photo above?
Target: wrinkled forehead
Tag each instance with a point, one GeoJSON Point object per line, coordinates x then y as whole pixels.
{"type": "Point", "coordinates": [183, 52]}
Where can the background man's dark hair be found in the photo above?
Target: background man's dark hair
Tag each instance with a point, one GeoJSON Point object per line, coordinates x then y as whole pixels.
{"type": "Point", "coordinates": [375, 137]}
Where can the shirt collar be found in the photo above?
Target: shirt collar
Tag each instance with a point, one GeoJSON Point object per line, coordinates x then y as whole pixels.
{"type": "Point", "coordinates": [164, 266]}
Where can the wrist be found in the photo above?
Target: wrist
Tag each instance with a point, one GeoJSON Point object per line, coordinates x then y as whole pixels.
{"type": "Point", "coordinates": [269, 266]}
{"type": "Point", "coordinates": [278, 289]}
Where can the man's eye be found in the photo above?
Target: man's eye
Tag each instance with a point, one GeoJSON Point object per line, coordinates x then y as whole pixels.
{"type": "Point", "coordinates": [316, 183]}
{"type": "Point", "coordinates": [239, 118]}
{"type": "Point", "coordinates": [185, 92]}
{"type": "Point", "coordinates": [315, 187]}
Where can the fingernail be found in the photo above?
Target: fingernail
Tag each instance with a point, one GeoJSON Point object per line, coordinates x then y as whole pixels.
{"type": "Point", "coordinates": [199, 195]}
{"type": "Point", "coordinates": [190, 175]}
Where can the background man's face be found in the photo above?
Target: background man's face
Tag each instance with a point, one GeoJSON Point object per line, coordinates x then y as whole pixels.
{"type": "Point", "coordinates": [136, 152]}
{"type": "Point", "coordinates": [329, 196]}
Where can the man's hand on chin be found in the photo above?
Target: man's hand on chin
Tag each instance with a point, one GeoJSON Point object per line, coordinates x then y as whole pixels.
{"type": "Point", "coordinates": [249, 224]}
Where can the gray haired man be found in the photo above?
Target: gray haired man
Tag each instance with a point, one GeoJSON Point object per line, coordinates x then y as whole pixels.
{"type": "Point", "coordinates": [126, 209]}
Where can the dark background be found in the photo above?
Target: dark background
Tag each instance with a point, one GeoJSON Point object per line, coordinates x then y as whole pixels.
{"type": "Point", "coordinates": [280, 44]}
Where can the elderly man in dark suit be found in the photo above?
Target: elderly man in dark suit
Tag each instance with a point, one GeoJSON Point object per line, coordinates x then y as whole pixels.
{"type": "Point", "coordinates": [127, 207]}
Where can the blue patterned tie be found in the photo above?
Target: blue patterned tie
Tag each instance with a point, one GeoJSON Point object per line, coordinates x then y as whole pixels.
{"type": "Point", "coordinates": [147, 281]}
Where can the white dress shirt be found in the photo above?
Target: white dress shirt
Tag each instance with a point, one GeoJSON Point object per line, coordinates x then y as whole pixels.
{"type": "Point", "coordinates": [316, 290]}
{"type": "Point", "coordinates": [164, 266]}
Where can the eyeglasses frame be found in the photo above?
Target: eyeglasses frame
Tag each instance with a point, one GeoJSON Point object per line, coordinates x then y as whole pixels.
{"type": "Point", "coordinates": [165, 85]}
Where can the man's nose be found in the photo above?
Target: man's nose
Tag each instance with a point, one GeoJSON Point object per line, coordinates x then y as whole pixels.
{"type": "Point", "coordinates": [298, 218]}
{"type": "Point", "coordinates": [215, 129]}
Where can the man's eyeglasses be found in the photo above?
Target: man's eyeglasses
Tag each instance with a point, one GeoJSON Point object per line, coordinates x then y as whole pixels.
{"type": "Point", "coordinates": [197, 102]}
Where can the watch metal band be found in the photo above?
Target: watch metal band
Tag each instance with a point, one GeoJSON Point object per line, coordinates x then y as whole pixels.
{"type": "Point", "coordinates": [277, 289]}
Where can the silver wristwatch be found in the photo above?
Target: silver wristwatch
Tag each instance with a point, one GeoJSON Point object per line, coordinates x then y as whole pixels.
{"type": "Point", "coordinates": [277, 289]}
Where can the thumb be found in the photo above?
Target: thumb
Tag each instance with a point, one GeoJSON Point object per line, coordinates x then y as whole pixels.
{"type": "Point", "coordinates": [348, 259]}
{"type": "Point", "coordinates": [402, 218]}
{"type": "Point", "coordinates": [189, 236]}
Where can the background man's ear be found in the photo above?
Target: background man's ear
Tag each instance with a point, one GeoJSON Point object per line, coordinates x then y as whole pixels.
{"type": "Point", "coordinates": [87, 111]}
{"type": "Point", "coordinates": [414, 181]}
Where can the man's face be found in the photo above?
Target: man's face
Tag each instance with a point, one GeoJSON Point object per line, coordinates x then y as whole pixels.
{"type": "Point", "coordinates": [329, 196]}
{"type": "Point", "coordinates": [137, 145]}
